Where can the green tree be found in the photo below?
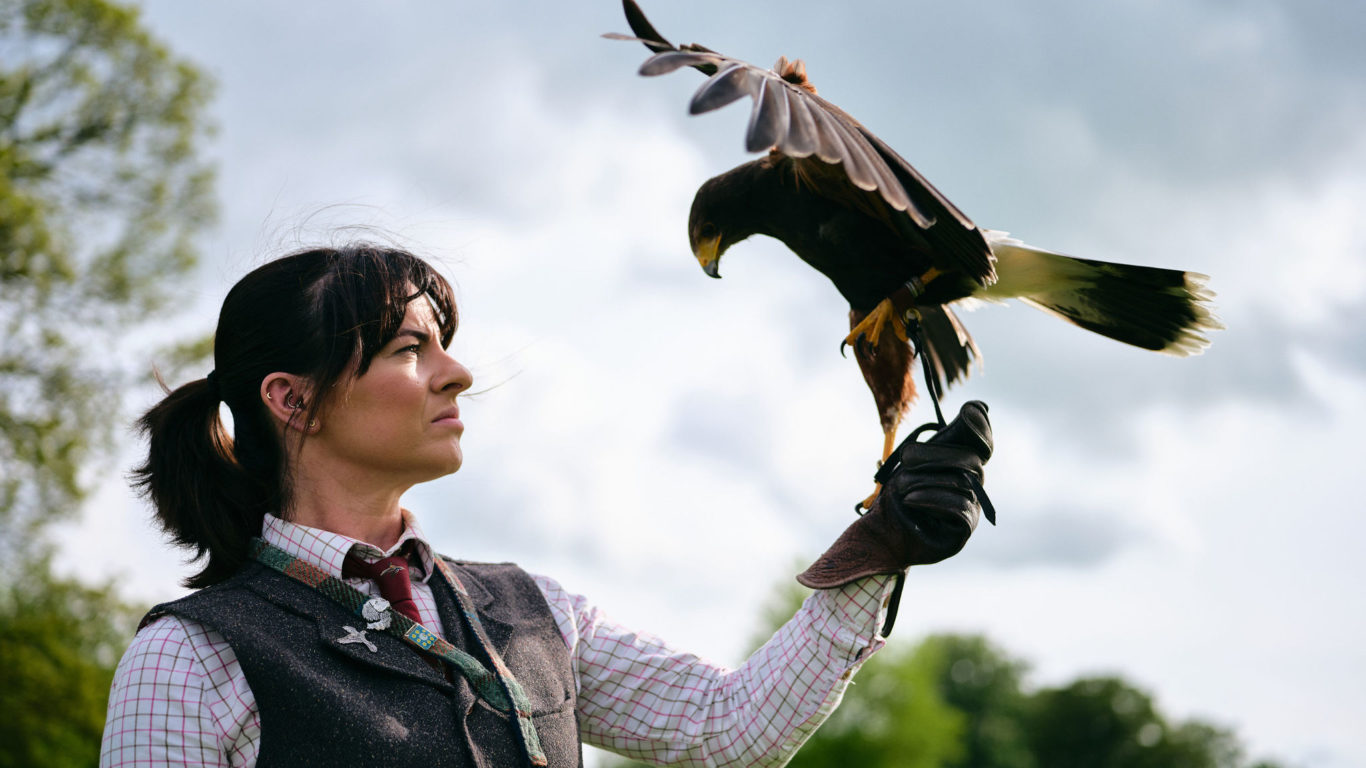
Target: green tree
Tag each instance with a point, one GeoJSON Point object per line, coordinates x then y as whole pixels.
{"type": "Point", "coordinates": [1106, 721]}
{"type": "Point", "coordinates": [985, 684]}
{"type": "Point", "coordinates": [101, 194]}
{"type": "Point", "coordinates": [59, 642]}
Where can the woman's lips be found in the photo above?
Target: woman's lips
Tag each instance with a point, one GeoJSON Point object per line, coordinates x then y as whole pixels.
{"type": "Point", "coordinates": [449, 418]}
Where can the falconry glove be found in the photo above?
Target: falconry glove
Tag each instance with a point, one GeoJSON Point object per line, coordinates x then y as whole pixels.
{"type": "Point", "coordinates": [930, 502]}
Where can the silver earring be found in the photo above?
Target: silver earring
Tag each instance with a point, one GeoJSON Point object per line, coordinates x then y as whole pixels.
{"type": "Point", "coordinates": [270, 397]}
{"type": "Point", "coordinates": [312, 423]}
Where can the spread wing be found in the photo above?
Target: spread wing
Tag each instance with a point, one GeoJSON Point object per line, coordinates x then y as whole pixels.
{"type": "Point", "coordinates": [789, 118]}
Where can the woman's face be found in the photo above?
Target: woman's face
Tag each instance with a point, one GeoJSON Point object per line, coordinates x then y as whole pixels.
{"type": "Point", "coordinates": [399, 420]}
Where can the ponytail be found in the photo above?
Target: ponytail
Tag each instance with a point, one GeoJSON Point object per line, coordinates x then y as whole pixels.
{"type": "Point", "coordinates": [206, 500]}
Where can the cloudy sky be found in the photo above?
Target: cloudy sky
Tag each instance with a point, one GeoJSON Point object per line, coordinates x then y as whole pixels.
{"type": "Point", "coordinates": [671, 446]}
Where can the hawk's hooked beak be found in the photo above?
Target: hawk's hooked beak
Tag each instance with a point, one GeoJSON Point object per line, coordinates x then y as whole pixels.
{"type": "Point", "coordinates": [708, 257]}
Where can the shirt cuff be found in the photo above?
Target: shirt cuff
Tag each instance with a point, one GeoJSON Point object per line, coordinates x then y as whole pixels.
{"type": "Point", "coordinates": [857, 611]}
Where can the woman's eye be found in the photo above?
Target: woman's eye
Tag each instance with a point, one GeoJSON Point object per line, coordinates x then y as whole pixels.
{"type": "Point", "coordinates": [413, 348]}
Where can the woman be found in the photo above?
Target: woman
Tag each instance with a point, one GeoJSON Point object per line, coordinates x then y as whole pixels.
{"type": "Point", "coordinates": [327, 631]}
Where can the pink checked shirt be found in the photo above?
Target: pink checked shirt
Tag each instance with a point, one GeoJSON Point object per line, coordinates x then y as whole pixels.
{"type": "Point", "coordinates": [180, 698]}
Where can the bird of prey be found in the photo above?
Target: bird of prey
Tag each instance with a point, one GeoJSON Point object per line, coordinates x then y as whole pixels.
{"type": "Point", "coordinates": [897, 250]}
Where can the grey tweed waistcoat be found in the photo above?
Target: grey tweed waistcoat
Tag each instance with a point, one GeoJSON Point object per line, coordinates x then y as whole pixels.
{"type": "Point", "coordinates": [325, 703]}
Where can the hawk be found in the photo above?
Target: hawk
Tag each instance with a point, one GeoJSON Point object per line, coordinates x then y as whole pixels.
{"type": "Point", "coordinates": [895, 247]}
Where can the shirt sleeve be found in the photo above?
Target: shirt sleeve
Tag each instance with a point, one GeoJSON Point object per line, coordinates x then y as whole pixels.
{"type": "Point", "coordinates": [179, 698]}
{"type": "Point", "coordinates": [641, 698]}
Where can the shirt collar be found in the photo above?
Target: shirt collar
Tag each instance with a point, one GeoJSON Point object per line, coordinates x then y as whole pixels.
{"type": "Point", "coordinates": [327, 549]}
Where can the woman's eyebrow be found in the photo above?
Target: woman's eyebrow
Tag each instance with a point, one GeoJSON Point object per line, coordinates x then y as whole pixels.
{"type": "Point", "coordinates": [422, 336]}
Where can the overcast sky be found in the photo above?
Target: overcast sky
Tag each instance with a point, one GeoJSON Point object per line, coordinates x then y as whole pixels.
{"type": "Point", "coordinates": [671, 445]}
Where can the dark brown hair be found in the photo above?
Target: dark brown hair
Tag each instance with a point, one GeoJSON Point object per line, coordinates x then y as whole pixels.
{"type": "Point", "coordinates": [314, 313]}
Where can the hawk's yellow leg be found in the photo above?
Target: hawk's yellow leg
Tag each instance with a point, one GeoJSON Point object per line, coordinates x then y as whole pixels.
{"type": "Point", "coordinates": [888, 445]}
{"type": "Point", "coordinates": [871, 328]}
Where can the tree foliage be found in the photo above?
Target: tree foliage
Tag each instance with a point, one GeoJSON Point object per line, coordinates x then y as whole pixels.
{"type": "Point", "coordinates": [1107, 721]}
{"type": "Point", "coordinates": [982, 682]}
{"type": "Point", "coordinates": [59, 644]}
{"type": "Point", "coordinates": [101, 194]}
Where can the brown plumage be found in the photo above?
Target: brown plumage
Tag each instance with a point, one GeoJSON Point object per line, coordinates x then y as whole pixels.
{"type": "Point", "coordinates": [893, 245]}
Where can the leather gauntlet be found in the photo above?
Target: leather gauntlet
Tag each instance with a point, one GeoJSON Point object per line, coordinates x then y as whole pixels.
{"type": "Point", "coordinates": [929, 505]}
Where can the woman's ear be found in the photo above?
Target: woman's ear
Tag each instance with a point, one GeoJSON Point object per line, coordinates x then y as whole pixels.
{"type": "Point", "coordinates": [285, 396]}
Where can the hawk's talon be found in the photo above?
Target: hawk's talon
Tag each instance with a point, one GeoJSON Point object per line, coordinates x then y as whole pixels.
{"type": "Point", "coordinates": [869, 329]}
{"type": "Point", "coordinates": [899, 328]}
{"type": "Point", "coordinates": [866, 505]}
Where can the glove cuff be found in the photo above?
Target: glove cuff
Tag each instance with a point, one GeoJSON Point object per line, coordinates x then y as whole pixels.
{"type": "Point", "coordinates": [871, 546]}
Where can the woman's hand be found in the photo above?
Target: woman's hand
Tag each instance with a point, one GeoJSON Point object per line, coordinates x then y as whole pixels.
{"type": "Point", "coordinates": [929, 505]}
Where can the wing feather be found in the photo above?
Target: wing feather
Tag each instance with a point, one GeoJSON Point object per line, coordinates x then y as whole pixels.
{"type": "Point", "coordinates": [726, 86]}
{"type": "Point", "coordinates": [668, 61]}
{"type": "Point", "coordinates": [796, 122]}
{"type": "Point", "coordinates": [768, 121]}
{"type": "Point", "coordinates": [830, 149]}
{"type": "Point", "coordinates": [802, 139]}
{"type": "Point", "coordinates": [858, 164]}
{"type": "Point", "coordinates": [910, 178]}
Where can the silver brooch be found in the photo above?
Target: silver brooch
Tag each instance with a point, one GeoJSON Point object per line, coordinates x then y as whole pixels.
{"type": "Point", "coordinates": [354, 635]}
{"type": "Point", "coordinates": [376, 611]}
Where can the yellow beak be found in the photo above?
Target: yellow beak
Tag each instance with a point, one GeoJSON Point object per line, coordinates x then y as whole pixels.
{"type": "Point", "coordinates": [707, 256]}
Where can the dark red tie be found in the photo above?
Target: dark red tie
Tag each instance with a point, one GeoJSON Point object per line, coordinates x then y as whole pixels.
{"type": "Point", "coordinates": [391, 574]}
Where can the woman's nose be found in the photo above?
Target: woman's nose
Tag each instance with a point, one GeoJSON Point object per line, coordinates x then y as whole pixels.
{"type": "Point", "coordinates": [455, 377]}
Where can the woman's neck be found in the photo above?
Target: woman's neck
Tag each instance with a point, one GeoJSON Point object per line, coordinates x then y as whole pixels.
{"type": "Point", "coordinates": [342, 505]}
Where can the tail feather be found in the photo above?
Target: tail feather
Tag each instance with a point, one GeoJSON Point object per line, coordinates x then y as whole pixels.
{"type": "Point", "coordinates": [1166, 310]}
